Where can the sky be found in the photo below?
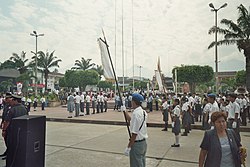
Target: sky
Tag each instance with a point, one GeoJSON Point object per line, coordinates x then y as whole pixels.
{"type": "Point", "coordinates": [176, 31]}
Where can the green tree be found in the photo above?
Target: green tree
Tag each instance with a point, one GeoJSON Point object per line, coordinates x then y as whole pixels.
{"type": "Point", "coordinates": [7, 64]}
{"type": "Point", "coordinates": [80, 79]}
{"type": "Point", "coordinates": [6, 85]}
{"type": "Point", "coordinates": [83, 64]}
{"type": "Point", "coordinates": [89, 77]}
{"type": "Point", "coordinates": [62, 82]}
{"type": "Point", "coordinates": [194, 74]}
{"type": "Point", "coordinates": [104, 84]}
{"type": "Point", "coordinates": [99, 70]}
{"type": "Point", "coordinates": [237, 33]}
{"type": "Point", "coordinates": [241, 78]}
{"type": "Point", "coordinates": [20, 62]}
{"type": "Point", "coordinates": [71, 79]}
{"type": "Point", "coordinates": [228, 84]}
{"type": "Point", "coordinates": [45, 61]}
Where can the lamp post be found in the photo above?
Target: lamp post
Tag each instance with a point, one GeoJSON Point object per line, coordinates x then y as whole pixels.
{"type": "Point", "coordinates": [34, 33]}
{"type": "Point", "coordinates": [216, 45]}
{"type": "Point", "coordinates": [140, 76]}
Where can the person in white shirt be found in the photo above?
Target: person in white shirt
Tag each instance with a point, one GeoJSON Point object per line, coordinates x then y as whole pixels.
{"type": "Point", "coordinates": [234, 115]}
{"type": "Point", "coordinates": [82, 104]}
{"type": "Point", "coordinates": [98, 103]}
{"type": "Point", "coordinates": [137, 146]}
{"type": "Point", "coordinates": [23, 99]}
{"type": "Point", "coordinates": [93, 100]}
{"type": "Point", "coordinates": [43, 100]}
{"type": "Point", "coordinates": [176, 126]}
{"type": "Point", "coordinates": [1, 102]}
{"type": "Point", "coordinates": [206, 108]}
{"type": "Point", "coordinates": [213, 107]}
{"type": "Point", "coordinates": [29, 101]}
{"type": "Point", "coordinates": [77, 104]}
{"type": "Point", "coordinates": [101, 102]}
{"type": "Point", "coordinates": [88, 99]}
{"type": "Point", "coordinates": [186, 116]}
{"type": "Point", "coordinates": [165, 108]}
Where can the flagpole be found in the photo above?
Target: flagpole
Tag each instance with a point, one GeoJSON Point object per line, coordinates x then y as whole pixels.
{"type": "Point", "coordinates": [127, 124]}
{"type": "Point", "coordinates": [133, 49]}
{"type": "Point", "coordinates": [115, 42]}
{"type": "Point", "coordinates": [122, 52]}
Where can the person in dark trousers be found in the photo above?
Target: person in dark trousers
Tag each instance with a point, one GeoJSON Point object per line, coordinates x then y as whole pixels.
{"type": "Point", "coordinates": [186, 116]}
{"type": "Point", "coordinates": [43, 100]}
{"type": "Point", "coordinates": [165, 109]}
{"type": "Point", "coordinates": [6, 109]}
{"type": "Point", "coordinates": [137, 146]}
{"type": "Point", "coordinates": [17, 110]}
{"type": "Point", "coordinates": [176, 125]}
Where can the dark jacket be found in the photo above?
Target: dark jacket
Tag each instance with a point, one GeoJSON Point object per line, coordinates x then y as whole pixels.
{"type": "Point", "coordinates": [211, 143]}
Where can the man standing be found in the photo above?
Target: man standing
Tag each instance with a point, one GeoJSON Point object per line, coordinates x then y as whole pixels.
{"type": "Point", "coordinates": [17, 110]}
{"type": "Point", "coordinates": [234, 115]}
{"type": "Point", "coordinates": [186, 116]}
{"type": "Point", "coordinates": [6, 109]}
{"type": "Point", "coordinates": [150, 102]}
{"type": "Point", "coordinates": [137, 146]}
{"type": "Point", "coordinates": [165, 108]}
{"type": "Point", "coordinates": [77, 104]}
{"type": "Point", "coordinates": [82, 104]}
{"type": "Point", "coordinates": [213, 107]}
{"type": "Point", "coordinates": [87, 103]}
{"type": "Point", "coordinates": [101, 102]}
{"type": "Point", "coordinates": [93, 100]}
{"type": "Point", "coordinates": [70, 105]}
{"type": "Point", "coordinates": [43, 102]}
{"type": "Point", "coordinates": [98, 103]}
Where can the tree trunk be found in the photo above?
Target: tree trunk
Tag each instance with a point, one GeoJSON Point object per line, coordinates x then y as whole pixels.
{"type": "Point", "coordinates": [247, 55]}
{"type": "Point", "coordinates": [46, 80]}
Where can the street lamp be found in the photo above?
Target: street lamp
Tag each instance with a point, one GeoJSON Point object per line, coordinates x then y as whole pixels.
{"type": "Point", "coordinates": [216, 45]}
{"type": "Point", "coordinates": [34, 33]}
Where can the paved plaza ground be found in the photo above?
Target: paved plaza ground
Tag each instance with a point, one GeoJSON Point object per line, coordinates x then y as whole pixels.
{"type": "Point", "coordinates": [100, 145]}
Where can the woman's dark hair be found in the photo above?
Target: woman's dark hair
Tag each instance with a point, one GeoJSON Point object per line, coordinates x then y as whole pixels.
{"type": "Point", "coordinates": [218, 114]}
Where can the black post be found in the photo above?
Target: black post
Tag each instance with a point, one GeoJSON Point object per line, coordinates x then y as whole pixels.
{"type": "Point", "coordinates": [116, 83]}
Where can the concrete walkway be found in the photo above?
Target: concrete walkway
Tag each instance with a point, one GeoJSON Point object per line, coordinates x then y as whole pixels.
{"type": "Point", "coordinates": [92, 145]}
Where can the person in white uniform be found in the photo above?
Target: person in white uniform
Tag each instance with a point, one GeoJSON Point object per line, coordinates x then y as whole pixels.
{"type": "Point", "coordinates": [176, 125]}
{"type": "Point", "coordinates": [234, 115]}
{"type": "Point", "coordinates": [137, 146]}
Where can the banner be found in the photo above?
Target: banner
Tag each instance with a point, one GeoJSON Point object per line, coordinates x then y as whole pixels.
{"type": "Point", "coordinates": [158, 80]}
{"type": "Point", "coordinates": [107, 70]}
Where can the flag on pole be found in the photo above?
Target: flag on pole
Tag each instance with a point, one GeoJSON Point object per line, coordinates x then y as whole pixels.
{"type": "Point", "coordinates": [159, 80]}
{"type": "Point", "coordinates": [107, 70]}
{"type": "Point", "coordinates": [159, 65]}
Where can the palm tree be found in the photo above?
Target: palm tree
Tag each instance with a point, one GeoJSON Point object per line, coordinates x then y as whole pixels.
{"type": "Point", "coordinates": [83, 64]}
{"type": "Point", "coordinates": [45, 62]}
{"type": "Point", "coordinates": [99, 70]}
{"type": "Point", "coordinates": [237, 33]}
{"type": "Point", "coordinates": [20, 62]}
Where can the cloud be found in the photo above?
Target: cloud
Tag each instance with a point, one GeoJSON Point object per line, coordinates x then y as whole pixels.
{"type": "Point", "coordinates": [175, 30]}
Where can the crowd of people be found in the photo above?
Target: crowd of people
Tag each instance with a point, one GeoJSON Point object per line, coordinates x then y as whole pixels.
{"type": "Point", "coordinates": [220, 115]}
{"type": "Point", "coordinates": [78, 102]}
